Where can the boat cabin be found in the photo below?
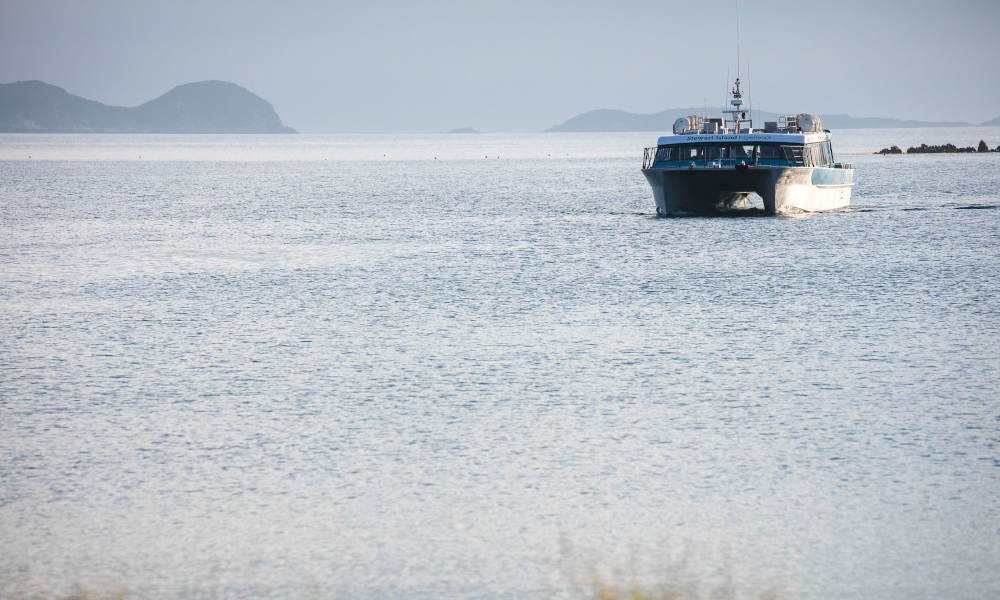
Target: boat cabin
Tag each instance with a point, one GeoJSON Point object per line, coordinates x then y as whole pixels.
{"type": "Point", "coordinates": [794, 152]}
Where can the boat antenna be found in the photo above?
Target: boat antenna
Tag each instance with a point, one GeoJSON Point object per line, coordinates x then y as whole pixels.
{"type": "Point", "coordinates": [738, 42]}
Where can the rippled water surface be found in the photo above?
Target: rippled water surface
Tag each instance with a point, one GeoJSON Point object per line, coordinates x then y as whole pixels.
{"type": "Point", "coordinates": [386, 366]}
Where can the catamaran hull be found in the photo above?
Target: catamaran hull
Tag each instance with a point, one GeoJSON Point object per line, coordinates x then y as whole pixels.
{"type": "Point", "coordinates": [782, 189]}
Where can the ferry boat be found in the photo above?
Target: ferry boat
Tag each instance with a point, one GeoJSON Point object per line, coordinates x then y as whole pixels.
{"type": "Point", "coordinates": [714, 165]}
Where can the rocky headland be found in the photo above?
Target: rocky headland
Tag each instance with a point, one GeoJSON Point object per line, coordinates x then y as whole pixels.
{"type": "Point", "coordinates": [201, 107]}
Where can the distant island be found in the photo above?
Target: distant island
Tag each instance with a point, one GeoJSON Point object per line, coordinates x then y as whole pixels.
{"type": "Point", "coordinates": [619, 120]}
{"type": "Point", "coordinates": [201, 107]}
{"type": "Point", "coordinates": [464, 130]}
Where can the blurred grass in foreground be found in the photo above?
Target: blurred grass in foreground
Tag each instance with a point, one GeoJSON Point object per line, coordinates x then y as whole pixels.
{"type": "Point", "coordinates": [35, 590]}
{"type": "Point", "coordinates": [671, 572]}
{"type": "Point", "coordinates": [679, 572]}
{"type": "Point", "coordinates": [666, 593]}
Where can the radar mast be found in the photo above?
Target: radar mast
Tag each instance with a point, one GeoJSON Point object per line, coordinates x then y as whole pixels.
{"type": "Point", "coordinates": [736, 112]}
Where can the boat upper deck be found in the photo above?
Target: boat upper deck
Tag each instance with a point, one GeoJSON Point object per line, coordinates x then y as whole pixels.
{"type": "Point", "coordinates": [706, 142]}
{"type": "Point", "coordinates": [783, 138]}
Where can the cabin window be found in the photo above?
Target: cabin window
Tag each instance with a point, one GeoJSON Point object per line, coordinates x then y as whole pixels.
{"type": "Point", "coordinates": [743, 152]}
{"type": "Point", "coordinates": [690, 152]}
{"type": "Point", "coordinates": [813, 155]}
{"type": "Point", "coordinates": [666, 153]}
{"type": "Point", "coordinates": [718, 151]}
{"type": "Point", "coordinates": [818, 154]}
{"type": "Point", "coordinates": [769, 154]}
{"type": "Point", "coordinates": [730, 154]}
{"type": "Point", "coordinates": [795, 156]}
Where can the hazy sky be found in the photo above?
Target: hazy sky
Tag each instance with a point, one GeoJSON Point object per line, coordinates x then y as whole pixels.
{"type": "Point", "coordinates": [515, 66]}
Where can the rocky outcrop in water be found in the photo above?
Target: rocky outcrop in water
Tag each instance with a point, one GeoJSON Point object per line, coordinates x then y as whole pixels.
{"type": "Point", "coordinates": [942, 149]}
{"type": "Point", "coordinates": [949, 148]}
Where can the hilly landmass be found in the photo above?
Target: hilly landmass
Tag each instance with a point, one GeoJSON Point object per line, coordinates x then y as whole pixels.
{"type": "Point", "coordinates": [201, 107]}
{"type": "Point", "coordinates": [993, 122]}
{"type": "Point", "coordinates": [619, 120]}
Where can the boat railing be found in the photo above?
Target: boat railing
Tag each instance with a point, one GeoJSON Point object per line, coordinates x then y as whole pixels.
{"type": "Point", "coordinates": [794, 155]}
{"type": "Point", "coordinates": [648, 155]}
{"type": "Point", "coordinates": [719, 163]}
{"type": "Point", "coordinates": [650, 161]}
{"type": "Point", "coordinates": [788, 122]}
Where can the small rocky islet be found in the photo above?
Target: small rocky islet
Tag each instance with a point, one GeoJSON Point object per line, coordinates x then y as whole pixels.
{"type": "Point", "coordinates": [944, 148]}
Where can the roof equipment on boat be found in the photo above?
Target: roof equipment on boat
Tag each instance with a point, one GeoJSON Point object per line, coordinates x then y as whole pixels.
{"type": "Point", "coordinates": [689, 124]}
{"type": "Point", "coordinates": [809, 123]}
{"type": "Point", "coordinates": [789, 123]}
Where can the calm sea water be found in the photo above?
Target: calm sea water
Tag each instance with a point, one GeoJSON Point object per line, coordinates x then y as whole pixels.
{"type": "Point", "coordinates": [400, 366]}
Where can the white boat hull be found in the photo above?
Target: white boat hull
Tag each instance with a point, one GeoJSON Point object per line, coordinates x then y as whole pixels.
{"type": "Point", "coordinates": [813, 198]}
